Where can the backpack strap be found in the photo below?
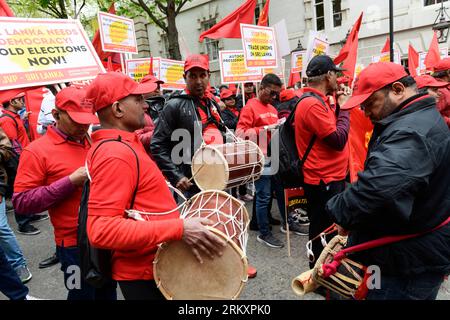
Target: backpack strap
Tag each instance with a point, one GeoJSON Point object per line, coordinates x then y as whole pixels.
{"type": "Point", "coordinates": [291, 118]}
{"type": "Point", "coordinates": [11, 117]}
{"type": "Point", "coordinates": [119, 139]}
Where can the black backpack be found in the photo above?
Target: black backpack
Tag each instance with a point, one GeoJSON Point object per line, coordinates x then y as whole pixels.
{"type": "Point", "coordinates": [12, 163]}
{"type": "Point", "coordinates": [290, 172]}
{"type": "Point", "coordinates": [95, 263]}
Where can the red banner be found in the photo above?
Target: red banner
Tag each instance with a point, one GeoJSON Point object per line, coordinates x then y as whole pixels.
{"type": "Point", "coordinates": [359, 136]}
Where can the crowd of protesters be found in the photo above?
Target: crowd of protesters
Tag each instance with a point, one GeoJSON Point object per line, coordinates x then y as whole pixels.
{"type": "Point", "coordinates": [403, 188]}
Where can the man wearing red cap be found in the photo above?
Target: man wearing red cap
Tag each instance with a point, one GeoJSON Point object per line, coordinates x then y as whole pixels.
{"type": "Point", "coordinates": [403, 189]}
{"type": "Point", "coordinates": [124, 177]}
{"type": "Point", "coordinates": [323, 129]}
{"type": "Point", "coordinates": [190, 112]}
{"type": "Point", "coordinates": [14, 128]}
{"type": "Point", "coordinates": [430, 85]}
{"type": "Point", "coordinates": [50, 176]}
{"type": "Point", "coordinates": [442, 74]}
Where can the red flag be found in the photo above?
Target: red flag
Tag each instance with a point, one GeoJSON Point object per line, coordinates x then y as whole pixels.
{"type": "Point", "coordinates": [97, 43]}
{"type": "Point", "coordinates": [352, 37]}
{"type": "Point", "coordinates": [5, 10]}
{"type": "Point", "coordinates": [413, 61]}
{"type": "Point", "coordinates": [433, 55]}
{"type": "Point", "coordinates": [294, 78]}
{"type": "Point", "coordinates": [387, 46]}
{"type": "Point", "coordinates": [229, 27]}
{"type": "Point", "coordinates": [358, 141]}
{"type": "Point", "coordinates": [350, 62]}
{"type": "Point", "coordinates": [264, 16]}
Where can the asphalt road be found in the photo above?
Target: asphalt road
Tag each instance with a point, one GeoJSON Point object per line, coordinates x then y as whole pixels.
{"type": "Point", "coordinates": [273, 282]}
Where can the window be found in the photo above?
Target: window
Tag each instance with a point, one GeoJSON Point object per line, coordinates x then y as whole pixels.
{"type": "Point", "coordinates": [212, 46]}
{"type": "Point", "coordinates": [258, 9]}
{"type": "Point", "coordinates": [337, 13]}
{"type": "Point", "coordinates": [320, 16]}
{"type": "Point", "coordinates": [431, 2]}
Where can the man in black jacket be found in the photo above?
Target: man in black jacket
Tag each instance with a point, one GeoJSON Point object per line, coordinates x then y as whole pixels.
{"type": "Point", "coordinates": [403, 189]}
{"type": "Point", "coordinates": [189, 119]}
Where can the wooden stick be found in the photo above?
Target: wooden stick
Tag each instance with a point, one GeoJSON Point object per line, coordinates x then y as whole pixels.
{"type": "Point", "coordinates": [288, 238]}
{"type": "Point", "coordinates": [122, 62]}
{"type": "Point", "coordinates": [243, 95]}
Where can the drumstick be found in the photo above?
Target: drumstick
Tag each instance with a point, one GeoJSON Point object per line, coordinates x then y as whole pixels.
{"type": "Point", "coordinates": [190, 179]}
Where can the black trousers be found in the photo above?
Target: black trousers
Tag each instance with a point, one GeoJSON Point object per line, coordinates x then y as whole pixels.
{"type": "Point", "coordinates": [140, 290]}
{"type": "Point", "coordinates": [319, 220]}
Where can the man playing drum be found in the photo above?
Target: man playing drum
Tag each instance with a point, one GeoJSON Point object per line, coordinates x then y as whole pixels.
{"type": "Point", "coordinates": [193, 113]}
{"type": "Point", "coordinates": [117, 169]}
{"type": "Point", "coordinates": [403, 189]}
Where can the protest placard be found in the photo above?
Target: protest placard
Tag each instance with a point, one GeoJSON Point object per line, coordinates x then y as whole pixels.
{"type": "Point", "coordinates": [260, 47]}
{"type": "Point", "coordinates": [297, 61]}
{"type": "Point", "coordinates": [279, 71]}
{"type": "Point", "coordinates": [317, 45]}
{"type": "Point", "coordinates": [139, 68]}
{"type": "Point", "coordinates": [233, 69]}
{"type": "Point", "coordinates": [386, 57]}
{"type": "Point", "coordinates": [44, 51]}
{"type": "Point", "coordinates": [117, 33]}
{"type": "Point", "coordinates": [171, 72]}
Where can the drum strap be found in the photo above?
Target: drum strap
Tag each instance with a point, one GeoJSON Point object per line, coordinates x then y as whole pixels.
{"type": "Point", "coordinates": [331, 268]}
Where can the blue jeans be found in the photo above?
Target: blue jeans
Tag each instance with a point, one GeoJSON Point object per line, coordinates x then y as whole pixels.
{"type": "Point", "coordinates": [264, 187]}
{"type": "Point", "coordinates": [70, 261]}
{"type": "Point", "coordinates": [10, 284]}
{"type": "Point", "coordinates": [420, 287]}
{"type": "Point", "coordinates": [8, 241]}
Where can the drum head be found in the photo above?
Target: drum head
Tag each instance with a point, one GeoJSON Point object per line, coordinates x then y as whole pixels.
{"type": "Point", "coordinates": [180, 276]}
{"type": "Point", "coordinates": [210, 169]}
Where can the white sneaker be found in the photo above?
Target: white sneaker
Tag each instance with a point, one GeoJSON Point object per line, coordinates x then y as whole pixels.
{"type": "Point", "coordinates": [28, 297]}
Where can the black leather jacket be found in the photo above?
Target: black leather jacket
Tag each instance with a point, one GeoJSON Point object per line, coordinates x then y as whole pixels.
{"type": "Point", "coordinates": [404, 189]}
{"type": "Point", "coordinates": [178, 122]}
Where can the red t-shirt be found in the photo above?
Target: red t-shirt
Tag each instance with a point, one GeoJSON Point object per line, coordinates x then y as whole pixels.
{"type": "Point", "coordinates": [254, 116]}
{"type": "Point", "coordinates": [45, 161]}
{"type": "Point", "coordinates": [14, 132]}
{"type": "Point", "coordinates": [113, 171]}
{"type": "Point", "coordinates": [323, 163]}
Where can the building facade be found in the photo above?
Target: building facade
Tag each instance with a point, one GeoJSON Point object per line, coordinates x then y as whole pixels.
{"type": "Point", "coordinates": [413, 21]}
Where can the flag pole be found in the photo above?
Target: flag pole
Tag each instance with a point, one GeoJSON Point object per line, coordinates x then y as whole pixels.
{"type": "Point", "coordinates": [243, 95]}
{"type": "Point", "coordinates": [391, 29]}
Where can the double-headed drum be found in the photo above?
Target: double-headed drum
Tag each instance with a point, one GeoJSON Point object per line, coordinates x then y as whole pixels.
{"type": "Point", "coordinates": [219, 167]}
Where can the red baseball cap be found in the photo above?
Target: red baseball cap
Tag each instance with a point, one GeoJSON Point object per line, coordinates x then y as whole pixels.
{"type": "Point", "coordinates": [442, 65]}
{"type": "Point", "coordinates": [196, 61]}
{"type": "Point", "coordinates": [71, 100]}
{"type": "Point", "coordinates": [8, 95]}
{"type": "Point", "coordinates": [226, 93]}
{"type": "Point", "coordinates": [151, 78]}
{"type": "Point", "coordinates": [343, 80]}
{"type": "Point", "coordinates": [428, 81]}
{"type": "Point", "coordinates": [110, 87]}
{"type": "Point", "coordinates": [287, 94]}
{"type": "Point", "coordinates": [373, 78]}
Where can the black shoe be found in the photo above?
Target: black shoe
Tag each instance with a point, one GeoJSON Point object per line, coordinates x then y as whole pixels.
{"type": "Point", "coordinates": [28, 229]}
{"type": "Point", "coordinates": [49, 262]}
{"type": "Point", "coordinates": [274, 221]}
{"type": "Point", "coordinates": [39, 217]}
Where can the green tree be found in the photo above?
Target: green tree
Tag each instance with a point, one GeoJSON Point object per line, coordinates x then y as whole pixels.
{"type": "Point", "coordinates": [162, 13]}
{"type": "Point", "coordinates": [84, 10]}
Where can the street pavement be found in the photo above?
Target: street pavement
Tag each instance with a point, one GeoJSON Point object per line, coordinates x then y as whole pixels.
{"type": "Point", "coordinates": [275, 267]}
